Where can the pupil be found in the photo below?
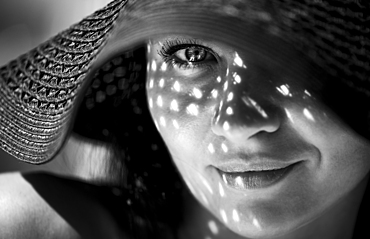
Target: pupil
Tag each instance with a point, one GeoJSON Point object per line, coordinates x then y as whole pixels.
{"type": "Point", "coordinates": [195, 54]}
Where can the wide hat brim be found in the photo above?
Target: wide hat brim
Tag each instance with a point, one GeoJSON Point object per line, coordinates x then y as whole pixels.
{"type": "Point", "coordinates": [41, 90]}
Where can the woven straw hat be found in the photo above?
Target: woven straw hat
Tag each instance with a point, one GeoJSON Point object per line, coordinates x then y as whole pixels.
{"type": "Point", "coordinates": [40, 89]}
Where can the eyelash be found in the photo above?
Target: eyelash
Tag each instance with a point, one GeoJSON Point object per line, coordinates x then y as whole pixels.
{"type": "Point", "coordinates": [170, 47]}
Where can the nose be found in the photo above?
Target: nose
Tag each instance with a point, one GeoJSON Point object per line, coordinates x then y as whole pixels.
{"type": "Point", "coordinates": [241, 113]}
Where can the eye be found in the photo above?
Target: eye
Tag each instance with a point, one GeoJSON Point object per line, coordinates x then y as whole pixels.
{"type": "Point", "coordinates": [184, 54]}
{"type": "Point", "coordinates": [192, 54]}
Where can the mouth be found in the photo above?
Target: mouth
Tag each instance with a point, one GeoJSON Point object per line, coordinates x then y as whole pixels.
{"type": "Point", "coordinates": [248, 180]}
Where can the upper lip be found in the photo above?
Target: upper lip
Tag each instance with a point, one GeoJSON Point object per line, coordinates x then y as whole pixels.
{"type": "Point", "coordinates": [252, 164]}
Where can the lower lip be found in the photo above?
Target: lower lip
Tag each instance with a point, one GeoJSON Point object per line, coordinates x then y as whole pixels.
{"type": "Point", "coordinates": [255, 180]}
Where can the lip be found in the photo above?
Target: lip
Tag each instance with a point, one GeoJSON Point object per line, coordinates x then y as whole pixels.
{"type": "Point", "coordinates": [260, 176]}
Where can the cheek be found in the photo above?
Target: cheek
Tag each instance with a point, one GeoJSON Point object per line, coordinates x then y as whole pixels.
{"type": "Point", "coordinates": [175, 102]}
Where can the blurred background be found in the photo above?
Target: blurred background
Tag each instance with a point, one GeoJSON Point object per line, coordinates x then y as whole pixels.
{"type": "Point", "coordinates": [24, 24]}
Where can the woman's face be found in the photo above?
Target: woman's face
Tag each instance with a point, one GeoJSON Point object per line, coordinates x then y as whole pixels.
{"type": "Point", "coordinates": [243, 119]}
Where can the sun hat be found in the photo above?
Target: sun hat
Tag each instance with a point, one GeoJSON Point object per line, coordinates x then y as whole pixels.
{"type": "Point", "coordinates": [41, 90]}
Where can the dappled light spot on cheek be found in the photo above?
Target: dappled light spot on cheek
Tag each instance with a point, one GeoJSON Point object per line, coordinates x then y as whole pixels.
{"type": "Point", "coordinates": [163, 66]}
{"type": "Point", "coordinates": [206, 184]}
{"type": "Point", "coordinates": [192, 109]}
{"type": "Point", "coordinates": [159, 101]}
{"type": "Point", "coordinates": [154, 66]}
{"type": "Point", "coordinates": [175, 124]}
{"type": "Point", "coordinates": [176, 86]}
{"type": "Point", "coordinates": [150, 102]}
{"type": "Point", "coordinates": [214, 93]}
{"type": "Point", "coordinates": [256, 223]}
{"type": "Point", "coordinates": [226, 126]}
{"type": "Point", "coordinates": [162, 121]}
{"type": "Point", "coordinates": [230, 96]}
{"type": "Point", "coordinates": [161, 82]}
{"type": "Point", "coordinates": [213, 227]}
{"type": "Point", "coordinates": [211, 149]}
{"type": "Point", "coordinates": [237, 78]}
{"type": "Point", "coordinates": [197, 93]}
{"type": "Point", "coordinates": [156, 124]}
{"type": "Point", "coordinates": [236, 216]}
{"type": "Point", "coordinates": [151, 83]}
{"type": "Point", "coordinates": [174, 106]}
{"type": "Point", "coordinates": [224, 148]}
{"type": "Point", "coordinates": [221, 190]}
{"type": "Point", "coordinates": [226, 85]}
{"type": "Point", "coordinates": [223, 215]}
{"type": "Point", "coordinates": [218, 79]}
{"type": "Point", "coordinates": [308, 114]}
{"type": "Point", "coordinates": [229, 110]}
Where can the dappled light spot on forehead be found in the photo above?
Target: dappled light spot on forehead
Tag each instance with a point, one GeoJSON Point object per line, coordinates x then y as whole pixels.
{"type": "Point", "coordinates": [229, 110]}
{"type": "Point", "coordinates": [221, 190]}
{"type": "Point", "coordinates": [164, 66]}
{"type": "Point", "coordinates": [308, 114]}
{"type": "Point", "coordinates": [284, 90]}
{"type": "Point", "coordinates": [214, 93]}
{"type": "Point", "coordinates": [197, 93]}
{"type": "Point", "coordinates": [161, 82]}
{"type": "Point", "coordinates": [211, 149]}
{"type": "Point", "coordinates": [150, 102]}
{"type": "Point", "coordinates": [154, 65]}
{"type": "Point", "coordinates": [176, 86]}
{"type": "Point", "coordinates": [162, 121]}
{"type": "Point", "coordinates": [213, 227]}
{"type": "Point", "coordinates": [218, 79]}
{"type": "Point", "coordinates": [151, 83]}
{"type": "Point", "coordinates": [236, 216]}
{"type": "Point", "coordinates": [230, 96]}
{"type": "Point", "coordinates": [174, 106]}
{"type": "Point", "coordinates": [192, 109]}
{"type": "Point", "coordinates": [159, 101]}
{"type": "Point", "coordinates": [224, 148]}
{"type": "Point", "coordinates": [223, 215]}
{"type": "Point", "coordinates": [226, 126]}
{"type": "Point", "coordinates": [175, 124]}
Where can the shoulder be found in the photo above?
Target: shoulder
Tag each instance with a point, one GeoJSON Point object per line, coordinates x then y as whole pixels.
{"type": "Point", "coordinates": [25, 214]}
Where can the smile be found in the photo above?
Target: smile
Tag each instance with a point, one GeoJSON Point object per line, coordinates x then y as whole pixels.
{"type": "Point", "coordinates": [254, 179]}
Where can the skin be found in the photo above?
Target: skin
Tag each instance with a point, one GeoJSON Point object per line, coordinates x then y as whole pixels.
{"type": "Point", "coordinates": [299, 127]}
